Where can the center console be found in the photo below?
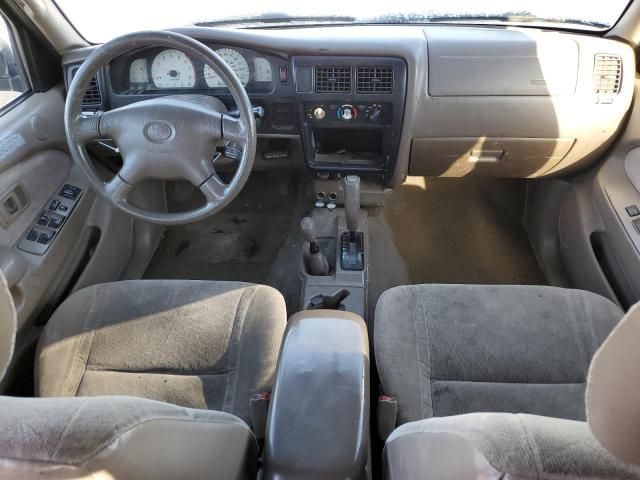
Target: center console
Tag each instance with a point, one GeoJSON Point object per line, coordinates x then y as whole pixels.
{"type": "Point", "coordinates": [317, 425]}
{"type": "Point", "coordinates": [334, 256]}
{"type": "Point", "coordinates": [351, 111]}
{"type": "Point", "coordinates": [318, 422]}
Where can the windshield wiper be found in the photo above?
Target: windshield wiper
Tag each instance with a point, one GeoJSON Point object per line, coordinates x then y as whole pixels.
{"type": "Point", "coordinates": [275, 19]}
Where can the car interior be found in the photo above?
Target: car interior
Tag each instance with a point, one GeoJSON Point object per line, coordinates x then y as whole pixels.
{"type": "Point", "coordinates": [337, 241]}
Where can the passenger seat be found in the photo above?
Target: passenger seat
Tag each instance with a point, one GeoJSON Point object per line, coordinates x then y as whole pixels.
{"type": "Point", "coordinates": [505, 368]}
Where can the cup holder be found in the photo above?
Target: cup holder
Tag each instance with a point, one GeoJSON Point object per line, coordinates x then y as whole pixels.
{"type": "Point", "coordinates": [329, 302]}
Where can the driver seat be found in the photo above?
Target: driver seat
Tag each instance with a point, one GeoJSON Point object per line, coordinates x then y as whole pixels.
{"type": "Point", "coordinates": [197, 344]}
{"type": "Point", "coordinates": [192, 352]}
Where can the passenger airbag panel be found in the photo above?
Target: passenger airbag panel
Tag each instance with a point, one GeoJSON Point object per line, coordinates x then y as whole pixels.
{"type": "Point", "coordinates": [501, 62]}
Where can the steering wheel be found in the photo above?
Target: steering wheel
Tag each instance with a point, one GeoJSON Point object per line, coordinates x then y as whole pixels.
{"type": "Point", "coordinates": [165, 138]}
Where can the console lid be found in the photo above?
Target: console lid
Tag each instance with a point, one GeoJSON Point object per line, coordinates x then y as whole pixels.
{"type": "Point", "coordinates": [318, 425]}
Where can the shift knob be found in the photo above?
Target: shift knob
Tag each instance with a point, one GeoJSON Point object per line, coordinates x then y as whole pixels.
{"type": "Point", "coordinates": [308, 228]}
{"type": "Point", "coordinates": [352, 202]}
{"type": "Point", "coordinates": [318, 263]}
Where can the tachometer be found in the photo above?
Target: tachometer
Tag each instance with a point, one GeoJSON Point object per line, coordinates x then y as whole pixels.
{"type": "Point", "coordinates": [173, 69]}
{"type": "Point", "coordinates": [237, 63]}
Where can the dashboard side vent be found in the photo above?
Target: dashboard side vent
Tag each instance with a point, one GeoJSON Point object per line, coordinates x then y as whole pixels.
{"type": "Point", "coordinates": [607, 74]}
{"type": "Point", "coordinates": [333, 79]}
{"type": "Point", "coordinates": [374, 80]}
{"type": "Point", "coordinates": [92, 96]}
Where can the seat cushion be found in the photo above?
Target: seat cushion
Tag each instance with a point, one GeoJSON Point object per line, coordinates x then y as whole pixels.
{"type": "Point", "coordinates": [197, 344]}
{"type": "Point", "coordinates": [500, 446]}
{"type": "Point", "coordinates": [452, 349]}
{"type": "Point", "coordinates": [121, 438]}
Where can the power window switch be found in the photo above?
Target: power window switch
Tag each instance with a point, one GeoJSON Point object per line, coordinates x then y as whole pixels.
{"type": "Point", "coordinates": [45, 238]}
{"type": "Point", "coordinates": [54, 205]}
{"type": "Point", "coordinates": [632, 210]}
{"type": "Point", "coordinates": [55, 222]}
{"type": "Point", "coordinates": [32, 236]}
{"type": "Point", "coordinates": [43, 220]}
{"type": "Point", "coordinates": [636, 224]}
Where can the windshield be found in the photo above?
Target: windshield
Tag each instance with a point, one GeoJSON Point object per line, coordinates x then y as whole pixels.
{"type": "Point", "coordinates": [101, 20]}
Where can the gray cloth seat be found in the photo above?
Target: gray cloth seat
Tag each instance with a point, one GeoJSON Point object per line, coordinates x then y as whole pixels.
{"type": "Point", "coordinates": [121, 438]}
{"type": "Point", "coordinates": [196, 344]}
{"type": "Point", "coordinates": [500, 446]}
{"type": "Point", "coordinates": [446, 350]}
{"type": "Point", "coordinates": [462, 349]}
{"type": "Point", "coordinates": [205, 345]}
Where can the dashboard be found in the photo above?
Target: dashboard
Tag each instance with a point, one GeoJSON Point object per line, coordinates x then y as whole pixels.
{"type": "Point", "coordinates": [157, 70]}
{"type": "Point", "coordinates": [388, 101]}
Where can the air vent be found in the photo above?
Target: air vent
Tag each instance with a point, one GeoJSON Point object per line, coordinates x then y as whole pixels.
{"type": "Point", "coordinates": [374, 80]}
{"type": "Point", "coordinates": [333, 79]}
{"type": "Point", "coordinates": [607, 74]}
{"type": "Point", "coordinates": [92, 96]}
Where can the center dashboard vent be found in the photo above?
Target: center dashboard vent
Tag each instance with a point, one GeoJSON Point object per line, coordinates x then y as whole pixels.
{"type": "Point", "coordinates": [333, 79]}
{"type": "Point", "coordinates": [92, 96]}
{"type": "Point", "coordinates": [607, 74]}
{"type": "Point", "coordinates": [374, 80]}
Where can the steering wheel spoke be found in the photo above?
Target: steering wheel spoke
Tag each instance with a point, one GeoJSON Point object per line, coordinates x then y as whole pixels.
{"type": "Point", "coordinates": [233, 130]}
{"type": "Point", "coordinates": [86, 128]}
{"type": "Point", "coordinates": [214, 189]}
{"type": "Point", "coordinates": [118, 190]}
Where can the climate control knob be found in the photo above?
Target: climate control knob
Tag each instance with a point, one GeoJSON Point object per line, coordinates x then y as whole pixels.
{"type": "Point", "coordinates": [347, 112]}
{"type": "Point", "coordinates": [373, 113]}
{"type": "Point", "coordinates": [319, 113]}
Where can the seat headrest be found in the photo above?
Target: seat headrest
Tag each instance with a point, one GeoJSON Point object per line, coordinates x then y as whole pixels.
{"type": "Point", "coordinates": [613, 390]}
{"type": "Point", "coordinates": [8, 325]}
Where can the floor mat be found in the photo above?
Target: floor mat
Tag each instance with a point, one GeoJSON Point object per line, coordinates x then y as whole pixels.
{"type": "Point", "coordinates": [467, 230]}
{"type": "Point", "coordinates": [244, 242]}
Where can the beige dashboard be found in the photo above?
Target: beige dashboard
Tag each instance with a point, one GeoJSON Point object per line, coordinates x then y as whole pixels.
{"type": "Point", "coordinates": [517, 103]}
{"type": "Point", "coordinates": [493, 101]}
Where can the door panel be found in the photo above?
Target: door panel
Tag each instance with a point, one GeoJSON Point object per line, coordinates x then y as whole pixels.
{"type": "Point", "coordinates": [37, 178]}
{"type": "Point", "coordinates": [599, 229]}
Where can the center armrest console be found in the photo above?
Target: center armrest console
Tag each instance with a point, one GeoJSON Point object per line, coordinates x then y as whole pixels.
{"type": "Point", "coordinates": [318, 424]}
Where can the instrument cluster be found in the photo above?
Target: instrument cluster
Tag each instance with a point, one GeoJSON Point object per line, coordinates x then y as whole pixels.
{"type": "Point", "coordinates": [157, 69]}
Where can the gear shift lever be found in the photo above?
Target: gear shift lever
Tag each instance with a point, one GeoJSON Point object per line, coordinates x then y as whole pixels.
{"type": "Point", "coordinates": [318, 263]}
{"type": "Point", "coordinates": [352, 242]}
{"type": "Point", "coordinates": [352, 204]}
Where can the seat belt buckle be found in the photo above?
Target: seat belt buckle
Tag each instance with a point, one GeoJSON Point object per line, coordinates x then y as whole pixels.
{"type": "Point", "coordinates": [259, 406]}
{"type": "Point", "coordinates": [387, 414]}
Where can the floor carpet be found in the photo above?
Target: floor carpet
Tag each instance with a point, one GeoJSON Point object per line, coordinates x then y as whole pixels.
{"type": "Point", "coordinates": [251, 240]}
{"type": "Point", "coordinates": [467, 230]}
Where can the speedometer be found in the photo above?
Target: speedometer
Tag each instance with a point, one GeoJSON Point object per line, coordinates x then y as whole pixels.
{"type": "Point", "coordinates": [173, 69]}
{"type": "Point", "coordinates": [237, 63]}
